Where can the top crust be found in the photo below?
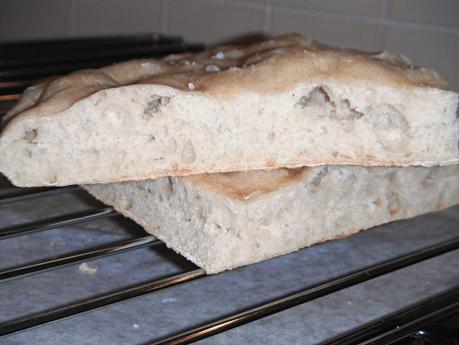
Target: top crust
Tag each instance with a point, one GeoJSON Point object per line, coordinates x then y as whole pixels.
{"type": "Point", "coordinates": [267, 67]}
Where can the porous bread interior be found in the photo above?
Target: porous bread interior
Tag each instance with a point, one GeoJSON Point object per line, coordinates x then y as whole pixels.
{"type": "Point", "coordinates": [147, 131]}
{"type": "Point", "coordinates": [205, 220]}
{"type": "Point", "coordinates": [285, 102]}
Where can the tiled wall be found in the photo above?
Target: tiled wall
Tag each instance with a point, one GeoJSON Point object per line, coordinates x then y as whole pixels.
{"type": "Point", "coordinates": [425, 30]}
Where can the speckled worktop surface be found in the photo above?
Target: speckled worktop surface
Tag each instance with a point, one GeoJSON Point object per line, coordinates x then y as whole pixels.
{"type": "Point", "coordinates": [167, 311]}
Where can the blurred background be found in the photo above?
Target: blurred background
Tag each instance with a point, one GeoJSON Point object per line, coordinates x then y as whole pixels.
{"type": "Point", "coordinates": [425, 30]}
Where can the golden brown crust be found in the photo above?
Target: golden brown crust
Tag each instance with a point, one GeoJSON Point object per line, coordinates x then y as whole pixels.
{"type": "Point", "coordinates": [206, 178]}
{"type": "Point", "coordinates": [267, 67]}
{"type": "Point", "coordinates": [249, 185]}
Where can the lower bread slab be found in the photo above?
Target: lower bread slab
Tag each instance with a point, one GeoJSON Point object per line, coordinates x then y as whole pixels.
{"type": "Point", "coordinates": [222, 221]}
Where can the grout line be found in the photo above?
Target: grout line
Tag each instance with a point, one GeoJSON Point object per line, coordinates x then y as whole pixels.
{"type": "Point", "coordinates": [267, 26]}
{"type": "Point", "coordinates": [384, 7]}
{"type": "Point", "coordinates": [384, 10]}
{"type": "Point", "coordinates": [164, 14]}
{"type": "Point", "coordinates": [368, 19]}
{"type": "Point", "coordinates": [422, 26]}
{"type": "Point", "coordinates": [382, 25]}
{"type": "Point", "coordinates": [239, 3]}
{"type": "Point", "coordinates": [73, 18]}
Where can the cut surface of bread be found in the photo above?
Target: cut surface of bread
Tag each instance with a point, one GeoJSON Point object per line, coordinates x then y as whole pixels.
{"type": "Point", "coordinates": [285, 102]}
{"type": "Point", "coordinates": [222, 221]}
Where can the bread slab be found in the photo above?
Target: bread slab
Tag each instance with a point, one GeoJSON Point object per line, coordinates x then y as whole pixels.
{"type": "Point", "coordinates": [222, 221]}
{"type": "Point", "coordinates": [285, 102]}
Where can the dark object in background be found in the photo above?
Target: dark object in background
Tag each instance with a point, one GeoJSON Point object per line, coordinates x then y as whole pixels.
{"type": "Point", "coordinates": [22, 64]}
{"type": "Point", "coordinates": [443, 332]}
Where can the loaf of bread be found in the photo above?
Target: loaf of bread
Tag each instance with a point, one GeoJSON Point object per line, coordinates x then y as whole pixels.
{"type": "Point", "coordinates": [285, 102]}
{"type": "Point", "coordinates": [222, 221]}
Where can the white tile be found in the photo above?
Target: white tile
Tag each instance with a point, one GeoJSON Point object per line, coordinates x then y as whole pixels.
{"type": "Point", "coordinates": [213, 22]}
{"type": "Point", "coordinates": [371, 8]}
{"type": "Point", "coordinates": [328, 29]}
{"type": "Point", "coordinates": [25, 19]}
{"type": "Point", "coordinates": [105, 17]}
{"type": "Point", "coordinates": [439, 12]}
{"type": "Point", "coordinates": [436, 50]}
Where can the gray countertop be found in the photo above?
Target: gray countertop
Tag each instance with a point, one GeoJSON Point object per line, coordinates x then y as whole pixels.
{"type": "Point", "coordinates": [164, 312]}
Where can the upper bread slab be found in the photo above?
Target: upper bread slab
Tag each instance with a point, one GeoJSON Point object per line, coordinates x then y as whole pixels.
{"type": "Point", "coordinates": [270, 66]}
{"type": "Point", "coordinates": [285, 102]}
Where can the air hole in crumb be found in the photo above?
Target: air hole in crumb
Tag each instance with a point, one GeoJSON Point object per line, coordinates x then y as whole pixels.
{"type": "Point", "coordinates": [271, 136]}
{"type": "Point", "coordinates": [318, 178]}
{"type": "Point", "coordinates": [151, 139]}
{"type": "Point", "coordinates": [188, 154]}
{"type": "Point", "coordinates": [316, 97]}
{"type": "Point", "coordinates": [320, 97]}
{"type": "Point", "coordinates": [30, 136]}
{"type": "Point", "coordinates": [154, 104]}
{"type": "Point", "coordinates": [170, 185]}
{"type": "Point", "coordinates": [352, 113]}
{"type": "Point", "coordinates": [393, 203]}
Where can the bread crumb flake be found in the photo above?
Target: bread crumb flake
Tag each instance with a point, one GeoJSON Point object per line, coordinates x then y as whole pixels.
{"type": "Point", "coordinates": [87, 269]}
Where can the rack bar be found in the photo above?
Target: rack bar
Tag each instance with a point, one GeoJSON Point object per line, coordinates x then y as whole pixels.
{"type": "Point", "coordinates": [14, 92]}
{"type": "Point", "coordinates": [42, 47]}
{"type": "Point", "coordinates": [55, 222]}
{"type": "Point", "coordinates": [23, 194]}
{"type": "Point", "coordinates": [9, 98]}
{"type": "Point", "coordinates": [89, 55]}
{"type": "Point", "coordinates": [308, 294]}
{"type": "Point", "coordinates": [403, 323]}
{"type": "Point", "coordinates": [44, 317]}
{"type": "Point", "coordinates": [45, 68]}
{"type": "Point", "coordinates": [78, 256]}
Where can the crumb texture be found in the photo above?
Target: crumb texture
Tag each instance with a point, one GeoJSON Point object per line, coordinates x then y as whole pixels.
{"type": "Point", "coordinates": [207, 221]}
{"type": "Point", "coordinates": [281, 103]}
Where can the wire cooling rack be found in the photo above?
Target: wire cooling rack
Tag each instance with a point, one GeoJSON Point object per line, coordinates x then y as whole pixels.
{"type": "Point", "coordinates": [396, 325]}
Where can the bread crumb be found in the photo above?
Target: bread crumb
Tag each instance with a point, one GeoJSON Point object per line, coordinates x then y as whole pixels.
{"type": "Point", "coordinates": [191, 86]}
{"type": "Point", "coordinates": [86, 268]}
{"type": "Point", "coordinates": [219, 56]}
{"type": "Point", "coordinates": [212, 68]}
{"type": "Point", "coordinates": [135, 326]}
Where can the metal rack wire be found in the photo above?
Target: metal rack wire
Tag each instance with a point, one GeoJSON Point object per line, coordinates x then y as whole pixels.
{"type": "Point", "coordinates": [395, 326]}
{"type": "Point", "coordinates": [15, 75]}
{"type": "Point", "coordinates": [24, 63]}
